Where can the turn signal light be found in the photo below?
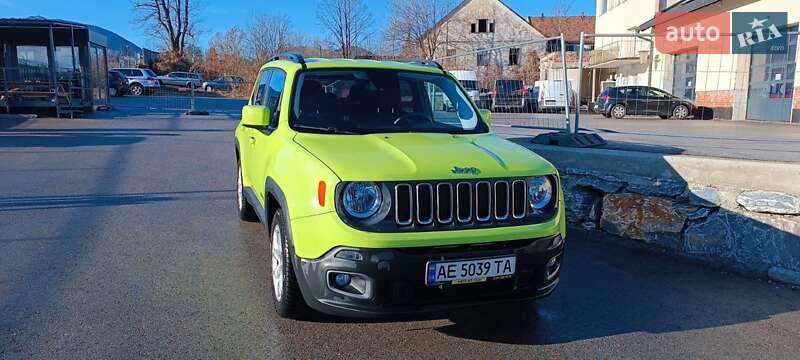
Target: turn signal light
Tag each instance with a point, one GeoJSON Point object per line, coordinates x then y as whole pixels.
{"type": "Point", "coordinates": [321, 193]}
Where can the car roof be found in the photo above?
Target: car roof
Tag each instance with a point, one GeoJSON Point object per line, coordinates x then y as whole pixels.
{"type": "Point", "coordinates": [319, 63]}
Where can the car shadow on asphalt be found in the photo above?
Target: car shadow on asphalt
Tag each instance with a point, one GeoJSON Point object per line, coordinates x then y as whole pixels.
{"type": "Point", "coordinates": [607, 290]}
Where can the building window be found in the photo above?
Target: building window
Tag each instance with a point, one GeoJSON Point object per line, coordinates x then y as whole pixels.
{"type": "Point", "coordinates": [609, 5]}
{"type": "Point", "coordinates": [451, 52]}
{"type": "Point", "coordinates": [483, 58]}
{"type": "Point", "coordinates": [32, 56]}
{"type": "Point", "coordinates": [473, 28]}
{"type": "Point", "coordinates": [513, 56]}
{"type": "Point", "coordinates": [483, 25]}
{"type": "Point", "coordinates": [491, 27]}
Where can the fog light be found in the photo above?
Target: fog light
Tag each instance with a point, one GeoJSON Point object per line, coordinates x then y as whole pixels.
{"type": "Point", "coordinates": [552, 267]}
{"type": "Point", "coordinates": [342, 280]}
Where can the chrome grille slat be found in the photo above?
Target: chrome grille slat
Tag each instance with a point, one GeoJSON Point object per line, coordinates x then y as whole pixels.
{"type": "Point", "coordinates": [427, 206]}
{"type": "Point", "coordinates": [397, 194]}
{"type": "Point", "coordinates": [440, 191]}
{"type": "Point", "coordinates": [501, 211]}
{"type": "Point", "coordinates": [519, 190]}
{"type": "Point", "coordinates": [459, 191]}
{"type": "Point", "coordinates": [483, 188]}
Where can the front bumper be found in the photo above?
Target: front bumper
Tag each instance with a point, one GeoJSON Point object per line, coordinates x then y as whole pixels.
{"type": "Point", "coordinates": [396, 278]}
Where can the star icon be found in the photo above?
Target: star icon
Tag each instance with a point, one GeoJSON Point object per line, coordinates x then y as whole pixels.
{"type": "Point", "coordinates": [757, 23]}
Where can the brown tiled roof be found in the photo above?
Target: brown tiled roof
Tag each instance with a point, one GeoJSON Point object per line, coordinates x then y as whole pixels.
{"type": "Point", "coordinates": [571, 26]}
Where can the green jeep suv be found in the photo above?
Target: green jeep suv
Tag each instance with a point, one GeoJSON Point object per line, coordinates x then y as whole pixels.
{"type": "Point", "coordinates": [384, 191]}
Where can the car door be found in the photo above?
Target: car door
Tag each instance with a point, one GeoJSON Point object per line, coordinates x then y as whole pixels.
{"type": "Point", "coordinates": [265, 145]}
{"type": "Point", "coordinates": [247, 138]}
{"type": "Point", "coordinates": [659, 102]}
{"type": "Point", "coordinates": [637, 101]}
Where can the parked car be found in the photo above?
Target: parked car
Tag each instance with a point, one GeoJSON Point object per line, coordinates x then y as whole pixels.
{"type": "Point", "coordinates": [223, 83]}
{"type": "Point", "coordinates": [469, 80]}
{"type": "Point", "coordinates": [182, 79]}
{"type": "Point", "coordinates": [117, 84]}
{"type": "Point", "coordinates": [508, 95]}
{"type": "Point", "coordinates": [553, 95]}
{"type": "Point", "coordinates": [378, 202]}
{"type": "Point", "coordinates": [618, 102]}
{"type": "Point", "coordinates": [141, 81]}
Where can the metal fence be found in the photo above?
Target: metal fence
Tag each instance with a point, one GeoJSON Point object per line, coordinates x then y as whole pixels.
{"type": "Point", "coordinates": [626, 75]}
{"type": "Point", "coordinates": [158, 95]}
{"type": "Point", "coordinates": [509, 80]}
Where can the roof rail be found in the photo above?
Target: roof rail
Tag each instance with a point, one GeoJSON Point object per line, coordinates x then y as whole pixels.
{"type": "Point", "coordinates": [293, 57]}
{"type": "Point", "coordinates": [432, 63]}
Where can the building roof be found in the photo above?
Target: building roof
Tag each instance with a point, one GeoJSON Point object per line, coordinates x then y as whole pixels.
{"type": "Point", "coordinates": [38, 21]}
{"type": "Point", "coordinates": [463, 4]}
{"type": "Point", "coordinates": [571, 26]}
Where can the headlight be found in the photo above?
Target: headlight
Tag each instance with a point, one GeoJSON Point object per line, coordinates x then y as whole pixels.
{"type": "Point", "coordinates": [361, 200]}
{"type": "Point", "coordinates": [540, 192]}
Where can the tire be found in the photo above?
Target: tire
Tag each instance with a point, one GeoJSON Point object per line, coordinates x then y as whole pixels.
{"type": "Point", "coordinates": [245, 210]}
{"type": "Point", "coordinates": [189, 85]}
{"type": "Point", "coordinates": [209, 88]}
{"type": "Point", "coordinates": [286, 294]}
{"type": "Point", "coordinates": [619, 111]}
{"type": "Point", "coordinates": [665, 117]}
{"type": "Point", "coordinates": [680, 112]}
{"type": "Point", "coordinates": [137, 89]}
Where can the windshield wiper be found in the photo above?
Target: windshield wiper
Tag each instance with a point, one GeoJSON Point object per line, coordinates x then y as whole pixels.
{"type": "Point", "coordinates": [327, 130]}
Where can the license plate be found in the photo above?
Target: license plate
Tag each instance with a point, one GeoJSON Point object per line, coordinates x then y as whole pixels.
{"type": "Point", "coordinates": [469, 271]}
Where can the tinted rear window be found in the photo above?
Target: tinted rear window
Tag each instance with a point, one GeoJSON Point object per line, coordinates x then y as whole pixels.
{"type": "Point", "coordinates": [470, 84]}
{"type": "Point", "coordinates": [509, 85]}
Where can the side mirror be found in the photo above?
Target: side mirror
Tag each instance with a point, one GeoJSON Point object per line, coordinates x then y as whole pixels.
{"type": "Point", "coordinates": [256, 116]}
{"type": "Point", "coordinates": [487, 116]}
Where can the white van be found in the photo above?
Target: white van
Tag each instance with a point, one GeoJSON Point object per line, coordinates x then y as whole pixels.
{"type": "Point", "coordinates": [469, 80]}
{"type": "Point", "coordinates": [552, 96]}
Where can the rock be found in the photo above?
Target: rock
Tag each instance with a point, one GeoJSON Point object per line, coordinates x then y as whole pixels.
{"type": "Point", "coordinates": [656, 187]}
{"type": "Point", "coordinates": [578, 200]}
{"type": "Point", "coordinates": [647, 218]}
{"type": "Point", "coordinates": [704, 196]}
{"type": "Point", "coordinates": [770, 202]}
{"type": "Point", "coordinates": [784, 275]}
{"type": "Point", "coordinates": [698, 214]}
{"type": "Point", "coordinates": [712, 237]}
{"type": "Point", "coordinates": [607, 184]}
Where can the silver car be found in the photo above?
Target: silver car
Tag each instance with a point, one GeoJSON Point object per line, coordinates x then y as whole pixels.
{"type": "Point", "coordinates": [223, 83]}
{"type": "Point", "coordinates": [141, 81]}
{"type": "Point", "coordinates": [182, 79]}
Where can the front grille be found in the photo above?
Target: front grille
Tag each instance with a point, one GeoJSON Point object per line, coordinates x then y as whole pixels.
{"type": "Point", "coordinates": [460, 203]}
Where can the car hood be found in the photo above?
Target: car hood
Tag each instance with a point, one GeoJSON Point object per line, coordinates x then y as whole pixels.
{"type": "Point", "coordinates": [422, 156]}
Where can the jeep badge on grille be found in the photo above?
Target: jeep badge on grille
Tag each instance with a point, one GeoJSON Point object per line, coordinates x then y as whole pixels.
{"type": "Point", "coordinates": [466, 170]}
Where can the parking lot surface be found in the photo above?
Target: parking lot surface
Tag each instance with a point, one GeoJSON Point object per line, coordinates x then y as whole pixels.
{"type": "Point", "coordinates": [119, 239]}
{"type": "Point", "coordinates": [713, 138]}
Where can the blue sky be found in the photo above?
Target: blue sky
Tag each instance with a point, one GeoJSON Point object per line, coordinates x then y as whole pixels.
{"type": "Point", "coordinates": [219, 15]}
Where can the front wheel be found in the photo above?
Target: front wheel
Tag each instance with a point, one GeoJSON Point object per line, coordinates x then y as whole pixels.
{"type": "Point", "coordinates": [209, 88]}
{"type": "Point", "coordinates": [245, 210]}
{"type": "Point", "coordinates": [680, 112]}
{"type": "Point", "coordinates": [286, 294]}
{"type": "Point", "coordinates": [137, 90]}
{"type": "Point", "coordinates": [619, 111]}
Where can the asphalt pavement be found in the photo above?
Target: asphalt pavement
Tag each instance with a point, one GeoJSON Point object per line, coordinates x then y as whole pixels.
{"type": "Point", "coordinates": [119, 240]}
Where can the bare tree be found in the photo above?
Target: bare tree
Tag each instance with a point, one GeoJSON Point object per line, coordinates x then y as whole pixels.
{"type": "Point", "coordinates": [417, 22]}
{"type": "Point", "coordinates": [267, 35]}
{"type": "Point", "coordinates": [348, 23]}
{"type": "Point", "coordinates": [171, 21]}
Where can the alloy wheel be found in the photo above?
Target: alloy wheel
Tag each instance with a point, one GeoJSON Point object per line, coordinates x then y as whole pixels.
{"type": "Point", "coordinates": [277, 262]}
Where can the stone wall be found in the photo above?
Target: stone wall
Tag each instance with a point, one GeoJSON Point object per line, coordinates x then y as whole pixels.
{"type": "Point", "coordinates": [729, 213]}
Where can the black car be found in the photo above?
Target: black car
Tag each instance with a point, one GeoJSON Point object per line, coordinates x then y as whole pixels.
{"type": "Point", "coordinates": [620, 101]}
{"type": "Point", "coordinates": [508, 95]}
{"type": "Point", "coordinates": [117, 83]}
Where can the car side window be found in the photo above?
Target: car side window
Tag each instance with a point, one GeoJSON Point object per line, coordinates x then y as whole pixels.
{"type": "Point", "coordinates": [276, 83]}
{"type": "Point", "coordinates": [261, 88]}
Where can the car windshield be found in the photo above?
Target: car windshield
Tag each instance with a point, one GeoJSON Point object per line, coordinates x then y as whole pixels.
{"type": "Point", "coordinates": [149, 72]}
{"type": "Point", "coordinates": [509, 85]}
{"type": "Point", "coordinates": [381, 101]}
